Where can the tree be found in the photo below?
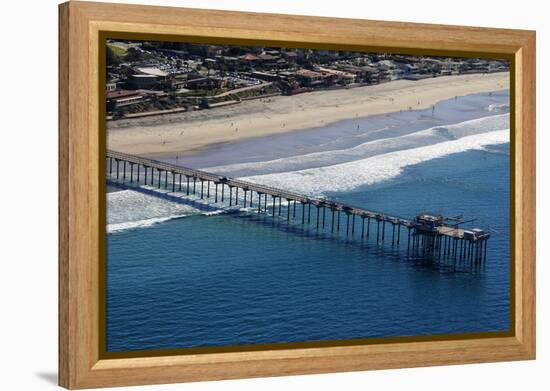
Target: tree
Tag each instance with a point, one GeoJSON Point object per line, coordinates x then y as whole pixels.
{"type": "Point", "coordinates": [112, 58]}
{"type": "Point", "coordinates": [137, 55]}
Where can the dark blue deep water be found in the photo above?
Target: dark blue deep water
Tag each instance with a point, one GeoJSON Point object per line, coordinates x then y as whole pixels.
{"type": "Point", "coordinates": [234, 279]}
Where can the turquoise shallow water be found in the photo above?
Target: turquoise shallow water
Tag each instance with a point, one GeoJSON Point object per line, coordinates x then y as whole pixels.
{"type": "Point", "coordinates": [233, 279]}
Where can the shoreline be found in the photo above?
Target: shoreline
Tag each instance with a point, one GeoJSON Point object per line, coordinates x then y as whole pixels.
{"type": "Point", "coordinates": [190, 133]}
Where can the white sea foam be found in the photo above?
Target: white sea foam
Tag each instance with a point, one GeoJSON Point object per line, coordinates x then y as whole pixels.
{"type": "Point", "coordinates": [351, 175]}
{"type": "Point", "coordinates": [424, 137]}
{"type": "Point", "coordinates": [214, 213]}
{"type": "Point", "coordinates": [499, 107]}
{"type": "Point", "coordinates": [112, 228]}
{"type": "Point", "coordinates": [127, 209]}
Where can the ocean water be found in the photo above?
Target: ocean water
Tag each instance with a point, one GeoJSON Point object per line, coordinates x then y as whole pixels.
{"type": "Point", "coordinates": [183, 275]}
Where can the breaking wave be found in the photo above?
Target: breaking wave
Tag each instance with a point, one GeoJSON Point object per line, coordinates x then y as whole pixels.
{"type": "Point", "coordinates": [112, 228]}
{"type": "Point", "coordinates": [499, 107]}
{"type": "Point", "coordinates": [128, 209]}
{"type": "Point", "coordinates": [352, 175]}
{"type": "Point", "coordinates": [430, 136]}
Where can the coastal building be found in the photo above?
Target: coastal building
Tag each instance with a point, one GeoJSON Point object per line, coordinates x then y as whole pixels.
{"type": "Point", "coordinates": [195, 82]}
{"type": "Point", "coordinates": [338, 76]}
{"type": "Point", "coordinates": [269, 61]}
{"type": "Point", "coordinates": [266, 76]}
{"type": "Point", "coordinates": [387, 69]}
{"type": "Point", "coordinates": [497, 66]}
{"type": "Point", "coordinates": [176, 83]}
{"type": "Point", "coordinates": [198, 50]}
{"type": "Point", "coordinates": [363, 74]}
{"type": "Point", "coordinates": [143, 81]}
{"type": "Point", "coordinates": [290, 56]}
{"type": "Point", "coordinates": [309, 78]}
{"type": "Point", "coordinates": [411, 69]}
{"type": "Point", "coordinates": [117, 99]}
{"type": "Point", "coordinates": [154, 71]}
{"type": "Point", "coordinates": [249, 60]}
{"type": "Point", "coordinates": [229, 63]}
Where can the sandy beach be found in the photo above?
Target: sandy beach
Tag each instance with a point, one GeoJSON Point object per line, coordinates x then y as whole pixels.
{"type": "Point", "coordinates": [187, 133]}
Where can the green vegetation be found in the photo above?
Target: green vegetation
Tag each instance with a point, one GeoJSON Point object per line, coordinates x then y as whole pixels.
{"type": "Point", "coordinates": [135, 55]}
{"type": "Point", "coordinates": [115, 55]}
{"type": "Point", "coordinates": [201, 92]}
{"type": "Point", "coordinates": [117, 51]}
{"type": "Point", "coordinates": [155, 103]}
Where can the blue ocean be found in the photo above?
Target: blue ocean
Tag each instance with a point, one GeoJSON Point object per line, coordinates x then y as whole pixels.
{"type": "Point", "coordinates": [179, 276]}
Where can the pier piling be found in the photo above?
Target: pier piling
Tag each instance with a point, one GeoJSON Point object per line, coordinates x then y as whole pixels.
{"type": "Point", "coordinates": [430, 236]}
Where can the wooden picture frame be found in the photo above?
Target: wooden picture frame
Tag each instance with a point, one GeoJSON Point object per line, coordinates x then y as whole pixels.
{"type": "Point", "coordinates": [83, 25]}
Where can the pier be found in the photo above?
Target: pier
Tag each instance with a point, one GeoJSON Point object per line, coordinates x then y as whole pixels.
{"type": "Point", "coordinates": [427, 234]}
